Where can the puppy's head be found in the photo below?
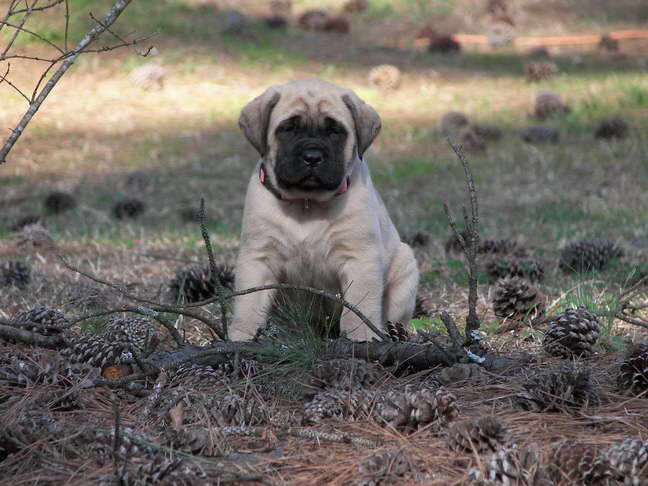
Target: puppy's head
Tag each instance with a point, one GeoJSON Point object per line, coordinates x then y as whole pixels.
{"type": "Point", "coordinates": [309, 133]}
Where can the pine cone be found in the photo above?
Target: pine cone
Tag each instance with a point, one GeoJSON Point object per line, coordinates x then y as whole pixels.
{"type": "Point", "coordinates": [281, 7]}
{"type": "Point", "coordinates": [33, 424]}
{"type": "Point", "coordinates": [385, 77]}
{"type": "Point", "coordinates": [540, 134]}
{"type": "Point", "coordinates": [339, 404]}
{"type": "Point", "coordinates": [473, 143]}
{"type": "Point", "coordinates": [453, 123]}
{"type": "Point", "coordinates": [58, 202]}
{"type": "Point", "coordinates": [415, 409]}
{"type": "Point", "coordinates": [487, 132]}
{"type": "Point", "coordinates": [540, 71]}
{"type": "Point", "coordinates": [512, 466]}
{"type": "Point", "coordinates": [609, 44]}
{"type": "Point", "coordinates": [128, 208]}
{"type": "Point", "coordinates": [313, 20]}
{"type": "Point", "coordinates": [26, 220]}
{"type": "Point", "coordinates": [337, 25]}
{"type": "Point", "coordinates": [494, 247]}
{"type": "Point", "coordinates": [384, 467]}
{"type": "Point", "coordinates": [18, 368]}
{"type": "Point", "coordinates": [514, 298]}
{"type": "Point", "coordinates": [633, 372]}
{"type": "Point", "coordinates": [547, 104]}
{"type": "Point", "coordinates": [586, 255]}
{"type": "Point", "coordinates": [100, 444]}
{"type": "Point", "coordinates": [425, 304]}
{"type": "Point", "coordinates": [355, 6]}
{"type": "Point", "coordinates": [17, 274]}
{"type": "Point", "coordinates": [276, 21]}
{"type": "Point", "coordinates": [135, 331]}
{"type": "Point", "coordinates": [481, 435]}
{"type": "Point", "coordinates": [573, 462]}
{"type": "Point", "coordinates": [48, 322]}
{"type": "Point", "coordinates": [398, 331]}
{"type": "Point", "coordinates": [234, 410]}
{"type": "Point", "coordinates": [572, 333]}
{"type": "Point", "coordinates": [95, 351]}
{"type": "Point", "coordinates": [444, 44]}
{"type": "Point", "coordinates": [498, 268]}
{"type": "Point", "coordinates": [614, 127]}
{"type": "Point", "coordinates": [27, 369]}
{"type": "Point", "coordinates": [196, 284]}
{"type": "Point", "coordinates": [629, 461]}
{"type": "Point", "coordinates": [193, 375]}
{"type": "Point", "coordinates": [346, 374]}
{"type": "Point", "coordinates": [564, 390]}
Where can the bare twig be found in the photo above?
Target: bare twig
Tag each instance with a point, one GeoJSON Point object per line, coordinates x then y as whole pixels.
{"type": "Point", "coordinates": [4, 79]}
{"type": "Point", "coordinates": [35, 9]}
{"type": "Point", "coordinates": [81, 47]}
{"type": "Point", "coordinates": [220, 289]}
{"type": "Point", "coordinates": [20, 28]}
{"type": "Point", "coordinates": [67, 25]}
{"type": "Point", "coordinates": [182, 309]}
{"type": "Point", "coordinates": [469, 247]}
{"type": "Point", "coordinates": [155, 306]}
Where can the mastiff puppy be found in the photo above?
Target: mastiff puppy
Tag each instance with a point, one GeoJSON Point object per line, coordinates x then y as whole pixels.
{"type": "Point", "coordinates": [312, 215]}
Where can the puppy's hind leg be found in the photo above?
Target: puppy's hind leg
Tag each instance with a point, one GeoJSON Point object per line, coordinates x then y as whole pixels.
{"type": "Point", "coordinates": [399, 298]}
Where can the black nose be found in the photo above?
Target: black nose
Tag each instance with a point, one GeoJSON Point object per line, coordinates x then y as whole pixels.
{"type": "Point", "coordinates": [312, 157]}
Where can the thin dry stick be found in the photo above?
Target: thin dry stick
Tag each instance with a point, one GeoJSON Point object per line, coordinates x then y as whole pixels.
{"type": "Point", "coordinates": [182, 309]}
{"type": "Point", "coordinates": [90, 37]}
{"type": "Point", "coordinates": [472, 226]}
{"type": "Point", "coordinates": [152, 305]}
{"type": "Point", "coordinates": [220, 289]}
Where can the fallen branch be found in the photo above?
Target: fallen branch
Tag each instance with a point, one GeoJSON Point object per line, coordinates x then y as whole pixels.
{"type": "Point", "coordinates": [11, 333]}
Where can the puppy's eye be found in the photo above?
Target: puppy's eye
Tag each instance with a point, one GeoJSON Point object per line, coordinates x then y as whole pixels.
{"type": "Point", "coordinates": [333, 127]}
{"type": "Point", "coordinates": [289, 125]}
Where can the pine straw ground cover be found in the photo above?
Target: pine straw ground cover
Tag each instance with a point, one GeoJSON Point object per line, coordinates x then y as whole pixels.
{"type": "Point", "coordinates": [104, 140]}
{"type": "Point", "coordinates": [57, 431]}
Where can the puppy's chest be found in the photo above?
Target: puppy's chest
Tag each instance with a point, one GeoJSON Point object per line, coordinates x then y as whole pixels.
{"type": "Point", "coordinates": [308, 257]}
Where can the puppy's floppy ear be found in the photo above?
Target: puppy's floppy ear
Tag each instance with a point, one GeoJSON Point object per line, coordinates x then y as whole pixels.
{"type": "Point", "coordinates": [366, 120]}
{"type": "Point", "coordinates": [255, 118]}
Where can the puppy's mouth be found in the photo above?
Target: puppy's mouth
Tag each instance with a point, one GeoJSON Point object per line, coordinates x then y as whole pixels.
{"type": "Point", "coordinates": [313, 183]}
{"type": "Point", "coordinates": [308, 187]}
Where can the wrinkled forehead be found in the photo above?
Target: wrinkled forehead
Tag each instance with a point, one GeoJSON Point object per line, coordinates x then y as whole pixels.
{"type": "Point", "coordinates": [312, 103]}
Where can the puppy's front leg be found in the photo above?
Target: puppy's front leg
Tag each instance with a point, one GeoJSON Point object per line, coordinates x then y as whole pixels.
{"type": "Point", "coordinates": [250, 310]}
{"type": "Point", "coordinates": [363, 285]}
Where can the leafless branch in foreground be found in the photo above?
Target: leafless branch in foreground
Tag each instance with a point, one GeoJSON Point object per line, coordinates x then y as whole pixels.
{"type": "Point", "coordinates": [67, 58]}
{"type": "Point", "coordinates": [469, 247]}
{"type": "Point", "coordinates": [220, 289]}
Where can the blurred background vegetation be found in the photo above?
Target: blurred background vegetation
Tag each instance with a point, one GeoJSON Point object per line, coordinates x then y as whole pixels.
{"type": "Point", "coordinates": [162, 129]}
